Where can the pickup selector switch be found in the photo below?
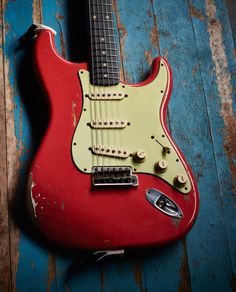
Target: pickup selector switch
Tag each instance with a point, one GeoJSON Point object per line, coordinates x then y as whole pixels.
{"type": "Point", "coordinates": [180, 181]}
{"type": "Point", "coordinates": [161, 166]}
{"type": "Point", "coordinates": [166, 150]}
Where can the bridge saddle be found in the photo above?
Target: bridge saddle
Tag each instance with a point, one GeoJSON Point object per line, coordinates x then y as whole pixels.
{"type": "Point", "coordinates": [113, 176]}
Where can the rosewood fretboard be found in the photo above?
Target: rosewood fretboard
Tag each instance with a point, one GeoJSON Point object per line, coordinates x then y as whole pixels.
{"type": "Point", "coordinates": [104, 59]}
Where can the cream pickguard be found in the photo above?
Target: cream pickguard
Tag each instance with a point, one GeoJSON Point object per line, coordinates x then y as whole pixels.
{"type": "Point", "coordinates": [120, 126]}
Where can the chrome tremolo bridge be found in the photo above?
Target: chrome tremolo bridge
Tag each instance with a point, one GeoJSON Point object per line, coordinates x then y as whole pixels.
{"type": "Point", "coordinates": [113, 176]}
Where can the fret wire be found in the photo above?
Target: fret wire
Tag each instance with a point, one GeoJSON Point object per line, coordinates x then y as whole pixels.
{"type": "Point", "coordinates": [103, 20]}
{"type": "Point", "coordinates": [101, 28]}
{"type": "Point", "coordinates": [101, 72]}
{"type": "Point", "coordinates": [101, 13]}
{"type": "Point", "coordinates": [114, 74]}
{"type": "Point", "coordinates": [105, 42]}
{"type": "Point", "coordinates": [104, 48]}
{"type": "Point", "coordinates": [100, 62]}
{"type": "Point", "coordinates": [102, 32]}
{"type": "Point", "coordinates": [91, 38]}
{"type": "Point", "coordinates": [91, 76]}
{"type": "Point", "coordinates": [102, 4]}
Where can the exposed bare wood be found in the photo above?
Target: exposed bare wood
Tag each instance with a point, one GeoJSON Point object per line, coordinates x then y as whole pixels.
{"type": "Point", "coordinates": [185, 284]}
{"type": "Point", "coordinates": [5, 267]}
{"type": "Point", "coordinates": [121, 28]}
{"type": "Point", "coordinates": [224, 84]}
{"type": "Point", "coordinates": [13, 163]}
{"type": "Point", "coordinates": [37, 11]}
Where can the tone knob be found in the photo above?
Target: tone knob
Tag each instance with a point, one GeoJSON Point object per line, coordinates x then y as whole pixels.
{"type": "Point", "coordinates": [180, 181]}
{"type": "Point", "coordinates": [161, 166]}
{"type": "Point", "coordinates": [139, 156]}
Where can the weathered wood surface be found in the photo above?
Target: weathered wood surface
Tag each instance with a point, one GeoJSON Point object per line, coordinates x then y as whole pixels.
{"type": "Point", "coordinates": [198, 39]}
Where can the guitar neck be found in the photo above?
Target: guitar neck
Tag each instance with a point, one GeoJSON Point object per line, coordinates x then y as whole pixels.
{"type": "Point", "coordinates": [104, 58]}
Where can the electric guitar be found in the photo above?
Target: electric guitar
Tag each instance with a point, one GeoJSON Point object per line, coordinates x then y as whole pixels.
{"type": "Point", "coordinates": [107, 174]}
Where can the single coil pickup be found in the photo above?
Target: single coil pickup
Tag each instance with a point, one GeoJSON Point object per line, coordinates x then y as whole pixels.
{"type": "Point", "coordinates": [108, 124]}
{"type": "Point", "coordinates": [113, 176]}
{"type": "Point", "coordinates": [106, 95]}
{"type": "Point", "coordinates": [110, 151]}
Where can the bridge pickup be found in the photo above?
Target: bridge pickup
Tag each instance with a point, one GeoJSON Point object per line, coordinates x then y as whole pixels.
{"type": "Point", "coordinates": [103, 176]}
{"type": "Point", "coordinates": [108, 124]}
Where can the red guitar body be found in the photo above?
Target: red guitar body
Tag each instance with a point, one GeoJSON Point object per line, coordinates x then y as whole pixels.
{"type": "Point", "coordinates": [67, 209]}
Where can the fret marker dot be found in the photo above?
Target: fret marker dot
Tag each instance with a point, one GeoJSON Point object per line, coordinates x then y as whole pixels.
{"type": "Point", "coordinates": [104, 64]}
{"type": "Point", "coordinates": [103, 52]}
{"type": "Point", "coordinates": [107, 17]}
{"type": "Point", "coordinates": [94, 17]}
{"type": "Point", "coordinates": [102, 39]}
{"type": "Point", "coordinates": [105, 75]}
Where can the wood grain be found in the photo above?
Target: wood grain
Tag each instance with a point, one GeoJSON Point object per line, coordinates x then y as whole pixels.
{"type": "Point", "coordinates": [5, 267]}
{"type": "Point", "coordinates": [216, 56]}
{"type": "Point", "coordinates": [198, 38]}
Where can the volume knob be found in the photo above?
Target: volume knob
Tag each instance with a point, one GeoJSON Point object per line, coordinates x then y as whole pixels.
{"type": "Point", "coordinates": [180, 181]}
{"type": "Point", "coordinates": [161, 166]}
{"type": "Point", "coordinates": [139, 156]}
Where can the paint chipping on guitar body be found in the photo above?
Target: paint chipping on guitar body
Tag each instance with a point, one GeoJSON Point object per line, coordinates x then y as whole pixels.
{"type": "Point", "coordinates": [33, 200]}
{"type": "Point", "coordinates": [73, 115]}
{"type": "Point", "coordinates": [176, 222]}
{"type": "Point", "coordinates": [72, 206]}
{"type": "Point", "coordinates": [224, 84]}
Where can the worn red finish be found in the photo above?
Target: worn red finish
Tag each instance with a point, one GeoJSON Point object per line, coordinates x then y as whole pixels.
{"type": "Point", "coordinates": [67, 210]}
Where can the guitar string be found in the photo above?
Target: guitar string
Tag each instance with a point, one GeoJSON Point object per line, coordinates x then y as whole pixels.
{"type": "Point", "coordinates": [95, 32]}
{"type": "Point", "coordinates": [111, 67]}
{"type": "Point", "coordinates": [96, 89]}
{"type": "Point", "coordinates": [108, 10]}
{"type": "Point", "coordinates": [91, 87]}
{"type": "Point", "coordinates": [105, 68]}
{"type": "Point", "coordinates": [115, 73]}
{"type": "Point", "coordinates": [99, 74]}
{"type": "Point", "coordinates": [114, 67]}
{"type": "Point", "coordinates": [108, 13]}
{"type": "Point", "coordinates": [102, 54]}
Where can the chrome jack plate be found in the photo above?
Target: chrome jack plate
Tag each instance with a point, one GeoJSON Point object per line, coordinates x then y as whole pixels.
{"type": "Point", "coordinates": [163, 203]}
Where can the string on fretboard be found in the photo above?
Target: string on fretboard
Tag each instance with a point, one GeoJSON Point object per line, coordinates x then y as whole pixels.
{"type": "Point", "coordinates": [104, 59]}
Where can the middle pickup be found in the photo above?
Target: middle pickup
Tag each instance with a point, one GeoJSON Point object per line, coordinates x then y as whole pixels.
{"type": "Point", "coordinates": [108, 124]}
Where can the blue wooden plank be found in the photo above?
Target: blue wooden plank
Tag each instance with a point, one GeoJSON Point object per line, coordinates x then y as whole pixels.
{"type": "Point", "coordinates": [231, 5]}
{"type": "Point", "coordinates": [5, 266]}
{"type": "Point", "coordinates": [138, 29]}
{"type": "Point", "coordinates": [30, 257]}
{"type": "Point", "coordinates": [125, 274]}
{"type": "Point", "coordinates": [96, 277]}
{"type": "Point", "coordinates": [208, 256]}
{"type": "Point", "coordinates": [217, 58]}
{"type": "Point", "coordinates": [197, 99]}
{"type": "Point", "coordinates": [70, 274]}
{"type": "Point", "coordinates": [75, 274]}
